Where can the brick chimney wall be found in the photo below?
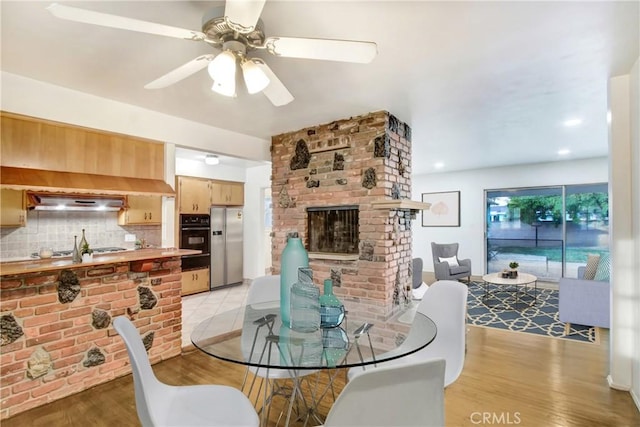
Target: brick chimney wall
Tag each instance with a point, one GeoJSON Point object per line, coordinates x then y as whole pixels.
{"type": "Point", "coordinates": [355, 161]}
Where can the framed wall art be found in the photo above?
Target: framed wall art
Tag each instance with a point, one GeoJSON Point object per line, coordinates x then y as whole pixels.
{"type": "Point", "coordinates": [444, 210]}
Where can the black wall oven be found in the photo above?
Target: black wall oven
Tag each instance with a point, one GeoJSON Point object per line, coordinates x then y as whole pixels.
{"type": "Point", "coordinates": [195, 232]}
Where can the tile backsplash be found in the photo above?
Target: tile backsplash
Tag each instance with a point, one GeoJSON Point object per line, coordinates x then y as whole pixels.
{"type": "Point", "coordinates": [56, 229]}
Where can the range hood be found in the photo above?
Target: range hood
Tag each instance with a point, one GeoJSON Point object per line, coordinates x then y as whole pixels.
{"type": "Point", "coordinates": [74, 202]}
{"type": "Point", "coordinates": [39, 180]}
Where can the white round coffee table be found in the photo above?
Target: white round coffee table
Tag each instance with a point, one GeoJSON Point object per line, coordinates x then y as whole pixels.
{"type": "Point", "coordinates": [511, 293]}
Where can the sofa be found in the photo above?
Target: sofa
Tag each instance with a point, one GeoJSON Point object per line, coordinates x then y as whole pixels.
{"type": "Point", "coordinates": [584, 302]}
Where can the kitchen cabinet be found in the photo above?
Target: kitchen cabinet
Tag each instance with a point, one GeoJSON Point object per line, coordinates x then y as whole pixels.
{"type": "Point", "coordinates": [34, 143]}
{"type": "Point", "coordinates": [227, 193]}
{"type": "Point", "coordinates": [13, 212]}
{"type": "Point", "coordinates": [194, 195]}
{"type": "Point", "coordinates": [144, 210]}
{"type": "Point", "coordinates": [194, 281]}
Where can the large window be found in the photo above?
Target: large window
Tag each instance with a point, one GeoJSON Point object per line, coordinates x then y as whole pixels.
{"type": "Point", "coordinates": [549, 231]}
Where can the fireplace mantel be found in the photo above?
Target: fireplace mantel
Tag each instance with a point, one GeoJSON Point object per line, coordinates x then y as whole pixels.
{"type": "Point", "coordinates": [400, 204]}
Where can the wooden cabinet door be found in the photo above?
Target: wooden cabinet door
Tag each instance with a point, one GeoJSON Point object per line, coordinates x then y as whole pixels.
{"type": "Point", "coordinates": [142, 210]}
{"type": "Point", "coordinates": [194, 194]}
{"type": "Point", "coordinates": [217, 194]}
{"type": "Point", "coordinates": [227, 194]}
{"type": "Point", "coordinates": [236, 194]}
{"type": "Point", "coordinates": [12, 208]}
{"type": "Point", "coordinates": [194, 281]}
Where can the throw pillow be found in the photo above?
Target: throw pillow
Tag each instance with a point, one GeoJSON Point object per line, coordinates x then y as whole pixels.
{"type": "Point", "coordinates": [592, 265]}
{"type": "Point", "coordinates": [604, 266]}
{"type": "Point", "coordinates": [452, 261]}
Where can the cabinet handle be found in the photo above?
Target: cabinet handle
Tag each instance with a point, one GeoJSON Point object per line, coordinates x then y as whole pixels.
{"type": "Point", "coordinates": [150, 215]}
{"type": "Point", "coordinates": [145, 216]}
{"type": "Point", "coordinates": [196, 276]}
{"type": "Point", "coordinates": [197, 207]}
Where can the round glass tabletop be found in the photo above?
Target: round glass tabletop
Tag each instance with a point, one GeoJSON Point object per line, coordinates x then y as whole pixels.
{"type": "Point", "coordinates": [254, 335]}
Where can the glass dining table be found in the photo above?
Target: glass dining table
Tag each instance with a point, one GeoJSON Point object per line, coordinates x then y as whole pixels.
{"type": "Point", "coordinates": [253, 335]}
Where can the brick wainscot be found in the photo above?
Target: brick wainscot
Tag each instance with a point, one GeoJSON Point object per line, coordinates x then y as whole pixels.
{"type": "Point", "coordinates": [56, 333]}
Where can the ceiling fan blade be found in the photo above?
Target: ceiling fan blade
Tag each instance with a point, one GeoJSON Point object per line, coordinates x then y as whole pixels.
{"type": "Point", "coordinates": [181, 72]}
{"type": "Point", "coordinates": [326, 49]}
{"type": "Point", "coordinates": [275, 91]}
{"type": "Point", "coordinates": [115, 21]}
{"type": "Point", "coordinates": [243, 15]}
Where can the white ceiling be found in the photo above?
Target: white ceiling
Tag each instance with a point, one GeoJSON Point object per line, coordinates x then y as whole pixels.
{"type": "Point", "coordinates": [480, 83]}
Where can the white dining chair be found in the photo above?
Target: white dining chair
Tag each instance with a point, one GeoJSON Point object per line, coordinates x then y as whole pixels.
{"type": "Point", "coordinates": [160, 404]}
{"type": "Point", "coordinates": [410, 394]}
{"type": "Point", "coordinates": [446, 304]}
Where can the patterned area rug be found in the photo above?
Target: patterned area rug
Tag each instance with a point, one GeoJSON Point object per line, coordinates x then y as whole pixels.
{"type": "Point", "coordinates": [541, 318]}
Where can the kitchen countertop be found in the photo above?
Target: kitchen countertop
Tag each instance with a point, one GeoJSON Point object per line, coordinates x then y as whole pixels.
{"type": "Point", "coordinates": [51, 264]}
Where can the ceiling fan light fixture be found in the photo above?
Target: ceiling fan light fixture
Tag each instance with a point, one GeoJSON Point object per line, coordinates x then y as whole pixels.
{"type": "Point", "coordinates": [254, 78]}
{"type": "Point", "coordinates": [222, 66]}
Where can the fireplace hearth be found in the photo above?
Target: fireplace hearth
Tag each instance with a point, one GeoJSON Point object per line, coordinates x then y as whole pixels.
{"type": "Point", "coordinates": [333, 229]}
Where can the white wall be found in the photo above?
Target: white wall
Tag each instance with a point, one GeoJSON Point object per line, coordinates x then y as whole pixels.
{"type": "Point", "coordinates": [624, 191]}
{"type": "Point", "coordinates": [472, 184]}
{"type": "Point", "coordinates": [635, 214]}
{"type": "Point", "coordinates": [200, 169]}
{"type": "Point", "coordinates": [258, 178]}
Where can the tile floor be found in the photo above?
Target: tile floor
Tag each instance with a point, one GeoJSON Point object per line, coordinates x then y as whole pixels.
{"type": "Point", "coordinates": [196, 308]}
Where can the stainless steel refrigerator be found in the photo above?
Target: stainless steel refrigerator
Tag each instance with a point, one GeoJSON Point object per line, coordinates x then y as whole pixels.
{"type": "Point", "coordinates": [226, 246]}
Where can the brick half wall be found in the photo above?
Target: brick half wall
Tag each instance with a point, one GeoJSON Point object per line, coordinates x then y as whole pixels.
{"type": "Point", "coordinates": [57, 337]}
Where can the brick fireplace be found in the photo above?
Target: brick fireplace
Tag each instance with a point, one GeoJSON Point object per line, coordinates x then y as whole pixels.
{"type": "Point", "coordinates": [361, 163]}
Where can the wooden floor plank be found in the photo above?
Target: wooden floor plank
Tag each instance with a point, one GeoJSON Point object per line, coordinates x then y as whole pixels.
{"type": "Point", "coordinates": [508, 378]}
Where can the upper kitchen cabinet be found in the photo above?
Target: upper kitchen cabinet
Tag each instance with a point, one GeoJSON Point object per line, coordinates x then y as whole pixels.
{"type": "Point", "coordinates": [33, 143]}
{"type": "Point", "coordinates": [13, 211]}
{"type": "Point", "coordinates": [227, 193]}
{"type": "Point", "coordinates": [194, 195]}
{"type": "Point", "coordinates": [141, 210]}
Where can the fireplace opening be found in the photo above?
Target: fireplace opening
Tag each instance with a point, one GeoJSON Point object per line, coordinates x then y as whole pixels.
{"type": "Point", "coordinates": [333, 229]}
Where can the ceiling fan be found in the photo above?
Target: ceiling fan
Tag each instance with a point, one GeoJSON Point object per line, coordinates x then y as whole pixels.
{"type": "Point", "coordinates": [235, 29]}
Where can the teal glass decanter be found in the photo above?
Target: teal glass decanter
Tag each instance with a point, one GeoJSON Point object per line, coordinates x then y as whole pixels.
{"type": "Point", "coordinates": [331, 309]}
{"type": "Point", "coordinates": [335, 344]}
{"type": "Point", "coordinates": [294, 256]}
{"type": "Point", "coordinates": [305, 303]}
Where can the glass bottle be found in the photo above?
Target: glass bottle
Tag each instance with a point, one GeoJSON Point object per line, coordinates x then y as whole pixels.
{"type": "Point", "coordinates": [331, 309]}
{"type": "Point", "coordinates": [300, 348]}
{"type": "Point", "coordinates": [75, 257]}
{"type": "Point", "coordinates": [83, 241]}
{"type": "Point", "coordinates": [294, 256]}
{"type": "Point", "coordinates": [305, 303]}
{"type": "Point", "coordinates": [335, 344]}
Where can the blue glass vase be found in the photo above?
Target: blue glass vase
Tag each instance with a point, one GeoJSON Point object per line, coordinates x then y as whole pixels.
{"type": "Point", "coordinates": [293, 257]}
{"type": "Point", "coordinates": [305, 303]}
{"type": "Point", "coordinates": [331, 309]}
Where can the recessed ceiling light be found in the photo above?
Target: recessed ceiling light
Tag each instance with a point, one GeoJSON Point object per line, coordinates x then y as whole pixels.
{"type": "Point", "coordinates": [572, 122]}
{"type": "Point", "coordinates": [564, 152]}
{"type": "Point", "coordinates": [438, 165]}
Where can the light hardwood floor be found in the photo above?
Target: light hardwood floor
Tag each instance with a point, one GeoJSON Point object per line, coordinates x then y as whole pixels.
{"type": "Point", "coordinates": [509, 378]}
